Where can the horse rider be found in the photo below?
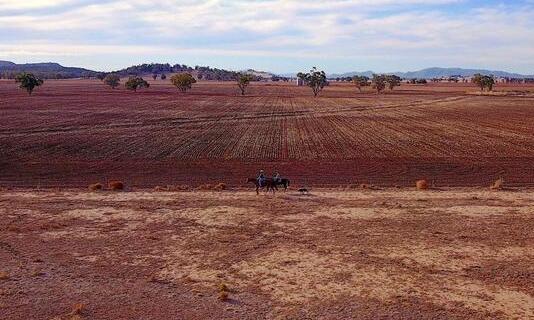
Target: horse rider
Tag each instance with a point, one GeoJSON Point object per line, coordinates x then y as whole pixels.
{"type": "Point", "coordinates": [277, 178]}
{"type": "Point", "coordinates": [261, 178]}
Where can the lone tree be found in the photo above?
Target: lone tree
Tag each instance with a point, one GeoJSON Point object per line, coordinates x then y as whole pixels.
{"type": "Point", "coordinates": [360, 81]}
{"type": "Point", "coordinates": [163, 76]}
{"type": "Point", "coordinates": [314, 79]}
{"type": "Point", "coordinates": [154, 76]}
{"type": "Point", "coordinates": [393, 81]}
{"type": "Point", "coordinates": [135, 83]}
{"type": "Point", "coordinates": [112, 80]}
{"type": "Point", "coordinates": [379, 82]}
{"type": "Point", "coordinates": [183, 81]}
{"type": "Point", "coordinates": [483, 81]}
{"type": "Point", "coordinates": [28, 81]}
{"type": "Point", "coordinates": [243, 81]}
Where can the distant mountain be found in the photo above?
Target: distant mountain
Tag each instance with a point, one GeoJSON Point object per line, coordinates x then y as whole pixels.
{"type": "Point", "coordinates": [430, 73]}
{"type": "Point", "coordinates": [6, 64]}
{"type": "Point", "coordinates": [46, 70]}
{"type": "Point", "coordinates": [51, 70]}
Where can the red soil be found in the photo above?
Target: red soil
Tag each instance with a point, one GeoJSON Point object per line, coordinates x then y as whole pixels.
{"type": "Point", "coordinates": [77, 132]}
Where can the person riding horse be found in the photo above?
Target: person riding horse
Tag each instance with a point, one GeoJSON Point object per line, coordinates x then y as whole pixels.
{"type": "Point", "coordinates": [261, 178]}
{"type": "Point", "coordinates": [277, 178]}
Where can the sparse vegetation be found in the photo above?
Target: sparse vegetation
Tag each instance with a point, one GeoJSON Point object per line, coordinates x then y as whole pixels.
{"type": "Point", "coordinates": [392, 81]}
{"type": "Point", "coordinates": [215, 187]}
{"type": "Point", "coordinates": [483, 81]}
{"type": "Point", "coordinates": [314, 79]}
{"type": "Point", "coordinates": [135, 83]}
{"type": "Point", "coordinates": [4, 275]}
{"type": "Point", "coordinates": [360, 81]}
{"type": "Point", "coordinates": [243, 81]}
{"type": "Point", "coordinates": [223, 287]}
{"type": "Point", "coordinates": [183, 81]}
{"type": "Point", "coordinates": [223, 292]}
{"type": "Point", "coordinates": [28, 81]}
{"type": "Point", "coordinates": [379, 82]}
{"type": "Point", "coordinates": [112, 80]}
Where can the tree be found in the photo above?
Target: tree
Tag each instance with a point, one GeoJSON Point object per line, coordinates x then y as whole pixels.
{"type": "Point", "coordinates": [112, 80]}
{"type": "Point", "coordinates": [393, 81]}
{"type": "Point", "coordinates": [163, 76]}
{"type": "Point", "coordinates": [183, 81]}
{"type": "Point", "coordinates": [135, 83]}
{"type": "Point", "coordinates": [101, 76]}
{"type": "Point", "coordinates": [360, 81]}
{"type": "Point", "coordinates": [243, 81]}
{"type": "Point", "coordinates": [28, 81]}
{"type": "Point", "coordinates": [483, 81]}
{"type": "Point", "coordinates": [314, 79]}
{"type": "Point", "coordinates": [379, 82]}
{"type": "Point", "coordinates": [154, 76]}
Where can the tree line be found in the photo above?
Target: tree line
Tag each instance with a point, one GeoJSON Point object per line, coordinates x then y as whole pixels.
{"type": "Point", "coordinates": [315, 79]}
{"type": "Point", "coordinates": [183, 81]}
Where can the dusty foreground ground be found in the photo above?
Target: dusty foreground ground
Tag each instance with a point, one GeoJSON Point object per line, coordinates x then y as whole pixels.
{"type": "Point", "coordinates": [455, 254]}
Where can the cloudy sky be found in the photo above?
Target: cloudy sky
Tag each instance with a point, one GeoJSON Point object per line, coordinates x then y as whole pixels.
{"type": "Point", "coordinates": [272, 35]}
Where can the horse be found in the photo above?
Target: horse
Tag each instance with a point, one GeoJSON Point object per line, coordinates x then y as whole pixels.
{"type": "Point", "coordinates": [284, 182]}
{"type": "Point", "coordinates": [268, 183]}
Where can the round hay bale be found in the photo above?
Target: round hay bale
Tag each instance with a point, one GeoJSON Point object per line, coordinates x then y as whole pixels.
{"type": "Point", "coordinates": [116, 185]}
{"type": "Point", "coordinates": [421, 185]}
{"type": "Point", "coordinates": [96, 186]}
{"type": "Point", "coordinates": [498, 184]}
{"type": "Point", "coordinates": [220, 186]}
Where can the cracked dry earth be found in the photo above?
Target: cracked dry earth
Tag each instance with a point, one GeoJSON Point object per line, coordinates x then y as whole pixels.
{"type": "Point", "coordinates": [395, 254]}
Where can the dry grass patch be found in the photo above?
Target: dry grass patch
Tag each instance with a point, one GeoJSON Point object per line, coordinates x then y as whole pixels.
{"type": "Point", "coordinates": [77, 309]}
{"type": "Point", "coordinates": [223, 292]}
{"type": "Point", "coordinates": [214, 187]}
{"type": "Point", "coordinates": [4, 275]}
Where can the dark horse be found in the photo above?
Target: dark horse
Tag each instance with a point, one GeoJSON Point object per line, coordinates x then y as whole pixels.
{"type": "Point", "coordinates": [268, 184]}
{"type": "Point", "coordinates": [283, 182]}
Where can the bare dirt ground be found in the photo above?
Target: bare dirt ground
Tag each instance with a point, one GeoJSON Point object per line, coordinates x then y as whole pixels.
{"type": "Point", "coordinates": [71, 133]}
{"type": "Point", "coordinates": [395, 254]}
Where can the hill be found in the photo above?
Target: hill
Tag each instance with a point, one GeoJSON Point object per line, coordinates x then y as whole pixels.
{"type": "Point", "coordinates": [46, 70]}
{"type": "Point", "coordinates": [430, 73]}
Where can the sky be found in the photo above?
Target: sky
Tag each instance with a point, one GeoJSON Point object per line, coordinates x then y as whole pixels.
{"type": "Point", "coordinates": [272, 35]}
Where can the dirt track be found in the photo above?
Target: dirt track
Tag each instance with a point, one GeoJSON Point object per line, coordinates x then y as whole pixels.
{"type": "Point", "coordinates": [76, 132]}
{"type": "Point", "coordinates": [393, 254]}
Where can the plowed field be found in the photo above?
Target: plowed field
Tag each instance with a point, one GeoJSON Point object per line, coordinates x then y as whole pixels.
{"type": "Point", "coordinates": [76, 132]}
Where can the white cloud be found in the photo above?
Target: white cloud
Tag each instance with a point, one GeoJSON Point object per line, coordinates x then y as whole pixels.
{"type": "Point", "coordinates": [31, 4]}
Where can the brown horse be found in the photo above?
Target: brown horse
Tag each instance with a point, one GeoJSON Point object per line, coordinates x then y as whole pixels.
{"type": "Point", "coordinates": [268, 184]}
